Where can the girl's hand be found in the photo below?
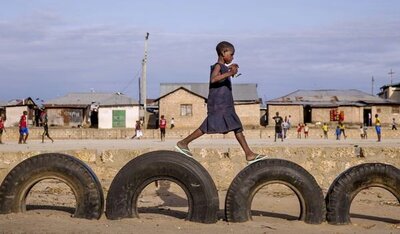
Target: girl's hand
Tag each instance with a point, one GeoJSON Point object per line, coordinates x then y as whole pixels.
{"type": "Point", "coordinates": [233, 68]}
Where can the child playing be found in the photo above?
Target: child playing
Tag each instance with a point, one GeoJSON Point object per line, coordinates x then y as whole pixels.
{"type": "Point", "coordinates": [306, 131]}
{"type": "Point", "coordinates": [325, 129]}
{"type": "Point", "coordinates": [221, 115]}
{"type": "Point", "coordinates": [23, 128]}
{"type": "Point", "coordinates": [338, 132]}
{"type": "Point", "coordinates": [163, 125]}
{"type": "Point", "coordinates": [138, 130]}
{"type": "Point", "coordinates": [2, 129]}
{"type": "Point", "coordinates": [299, 128]}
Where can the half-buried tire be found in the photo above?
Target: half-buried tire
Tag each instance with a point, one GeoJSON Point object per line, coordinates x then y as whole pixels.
{"type": "Point", "coordinates": [274, 171]}
{"type": "Point", "coordinates": [198, 185]}
{"type": "Point", "coordinates": [348, 184]}
{"type": "Point", "coordinates": [70, 170]}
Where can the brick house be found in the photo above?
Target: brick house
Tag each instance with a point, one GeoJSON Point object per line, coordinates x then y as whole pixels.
{"type": "Point", "coordinates": [187, 103]}
{"type": "Point", "coordinates": [350, 106]}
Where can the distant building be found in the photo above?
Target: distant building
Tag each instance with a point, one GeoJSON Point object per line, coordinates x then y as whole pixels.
{"type": "Point", "coordinates": [187, 103]}
{"type": "Point", "coordinates": [350, 106]}
{"type": "Point", "coordinates": [98, 110]}
{"type": "Point", "coordinates": [391, 92]}
{"type": "Point", "coordinates": [3, 105]}
{"type": "Point", "coordinates": [14, 108]}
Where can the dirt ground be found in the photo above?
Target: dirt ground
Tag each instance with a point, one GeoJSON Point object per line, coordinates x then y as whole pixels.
{"type": "Point", "coordinates": [162, 209]}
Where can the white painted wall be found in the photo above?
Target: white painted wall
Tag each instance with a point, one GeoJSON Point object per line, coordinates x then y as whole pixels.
{"type": "Point", "coordinates": [14, 115]}
{"type": "Point", "coordinates": [105, 116]}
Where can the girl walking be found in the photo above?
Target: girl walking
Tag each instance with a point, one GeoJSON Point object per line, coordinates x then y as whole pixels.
{"type": "Point", "coordinates": [221, 115]}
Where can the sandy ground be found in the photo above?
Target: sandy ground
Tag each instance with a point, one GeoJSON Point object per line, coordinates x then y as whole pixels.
{"type": "Point", "coordinates": [163, 209]}
{"type": "Point", "coordinates": [61, 145]}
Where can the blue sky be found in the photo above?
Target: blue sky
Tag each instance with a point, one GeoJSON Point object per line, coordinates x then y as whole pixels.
{"type": "Point", "coordinates": [50, 48]}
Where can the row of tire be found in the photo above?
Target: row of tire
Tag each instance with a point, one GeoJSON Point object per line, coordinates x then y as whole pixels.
{"type": "Point", "coordinates": [198, 185]}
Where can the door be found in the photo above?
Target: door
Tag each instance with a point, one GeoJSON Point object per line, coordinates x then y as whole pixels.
{"type": "Point", "coordinates": [118, 118]}
{"type": "Point", "coordinates": [307, 114]}
{"type": "Point", "coordinates": [367, 116]}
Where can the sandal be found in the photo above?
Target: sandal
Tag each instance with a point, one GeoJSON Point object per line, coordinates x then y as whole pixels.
{"type": "Point", "coordinates": [184, 151]}
{"type": "Point", "coordinates": [257, 158]}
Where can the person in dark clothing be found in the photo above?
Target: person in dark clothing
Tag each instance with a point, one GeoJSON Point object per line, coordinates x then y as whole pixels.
{"type": "Point", "coordinates": [44, 121]}
{"type": "Point", "coordinates": [221, 114]}
{"type": "Point", "coordinates": [278, 126]}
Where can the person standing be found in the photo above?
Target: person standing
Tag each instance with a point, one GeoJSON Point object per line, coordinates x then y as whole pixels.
{"type": "Point", "coordinates": [394, 124]}
{"type": "Point", "coordinates": [365, 132]}
{"type": "Point", "coordinates": [325, 130]}
{"type": "Point", "coordinates": [23, 128]}
{"type": "Point", "coordinates": [306, 129]}
{"type": "Point", "coordinates": [338, 132]}
{"type": "Point", "coordinates": [163, 125]}
{"type": "Point", "coordinates": [342, 130]}
{"type": "Point", "coordinates": [172, 123]}
{"type": "Point", "coordinates": [378, 127]}
{"type": "Point", "coordinates": [285, 127]}
{"type": "Point", "coordinates": [299, 129]}
{"type": "Point", "coordinates": [278, 126]}
{"type": "Point", "coordinates": [2, 129]}
{"type": "Point", "coordinates": [44, 120]}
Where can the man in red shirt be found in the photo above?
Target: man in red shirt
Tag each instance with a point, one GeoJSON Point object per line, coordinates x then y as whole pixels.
{"type": "Point", "coordinates": [23, 128]}
{"type": "Point", "coordinates": [163, 125]}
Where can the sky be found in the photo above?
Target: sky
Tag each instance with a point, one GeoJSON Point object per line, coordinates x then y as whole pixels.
{"type": "Point", "coordinates": [50, 48]}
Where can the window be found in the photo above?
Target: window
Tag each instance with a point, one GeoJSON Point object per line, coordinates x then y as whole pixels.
{"type": "Point", "coordinates": [186, 109]}
{"type": "Point", "coordinates": [395, 109]}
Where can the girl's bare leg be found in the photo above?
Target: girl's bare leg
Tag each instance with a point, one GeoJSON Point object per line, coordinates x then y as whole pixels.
{"type": "Point", "coordinates": [185, 142]}
{"type": "Point", "coordinates": [250, 155]}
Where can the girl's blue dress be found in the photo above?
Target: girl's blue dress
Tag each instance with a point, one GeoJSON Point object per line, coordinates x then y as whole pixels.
{"type": "Point", "coordinates": [221, 115]}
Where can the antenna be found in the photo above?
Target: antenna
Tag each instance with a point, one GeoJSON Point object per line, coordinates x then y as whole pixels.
{"type": "Point", "coordinates": [391, 76]}
{"type": "Point", "coordinates": [372, 85]}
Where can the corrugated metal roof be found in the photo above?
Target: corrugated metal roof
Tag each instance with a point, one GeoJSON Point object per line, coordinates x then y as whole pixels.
{"type": "Point", "coordinates": [241, 92]}
{"type": "Point", "coordinates": [329, 98]}
{"type": "Point", "coordinates": [85, 99]}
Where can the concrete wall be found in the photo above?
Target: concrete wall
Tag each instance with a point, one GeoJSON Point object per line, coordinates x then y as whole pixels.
{"type": "Point", "coordinates": [325, 163]}
{"type": "Point", "coordinates": [170, 105]}
{"type": "Point", "coordinates": [105, 116]}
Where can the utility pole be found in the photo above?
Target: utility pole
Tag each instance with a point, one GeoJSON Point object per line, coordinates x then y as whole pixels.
{"type": "Point", "coordinates": [391, 76]}
{"type": "Point", "coordinates": [143, 81]}
{"type": "Point", "coordinates": [372, 85]}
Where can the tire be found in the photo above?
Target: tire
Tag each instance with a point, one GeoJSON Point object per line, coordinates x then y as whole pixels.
{"type": "Point", "coordinates": [348, 184]}
{"type": "Point", "coordinates": [75, 173]}
{"type": "Point", "coordinates": [252, 178]}
{"type": "Point", "coordinates": [198, 185]}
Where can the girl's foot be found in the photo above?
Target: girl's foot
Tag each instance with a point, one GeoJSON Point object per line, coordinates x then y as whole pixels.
{"type": "Point", "coordinates": [257, 158]}
{"type": "Point", "coordinates": [183, 149]}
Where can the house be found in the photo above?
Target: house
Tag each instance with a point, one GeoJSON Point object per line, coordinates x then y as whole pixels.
{"type": "Point", "coordinates": [350, 106]}
{"type": "Point", "coordinates": [187, 103]}
{"type": "Point", "coordinates": [391, 92]}
{"type": "Point", "coordinates": [102, 110]}
{"type": "Point", "coordinates": [15, 108]}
